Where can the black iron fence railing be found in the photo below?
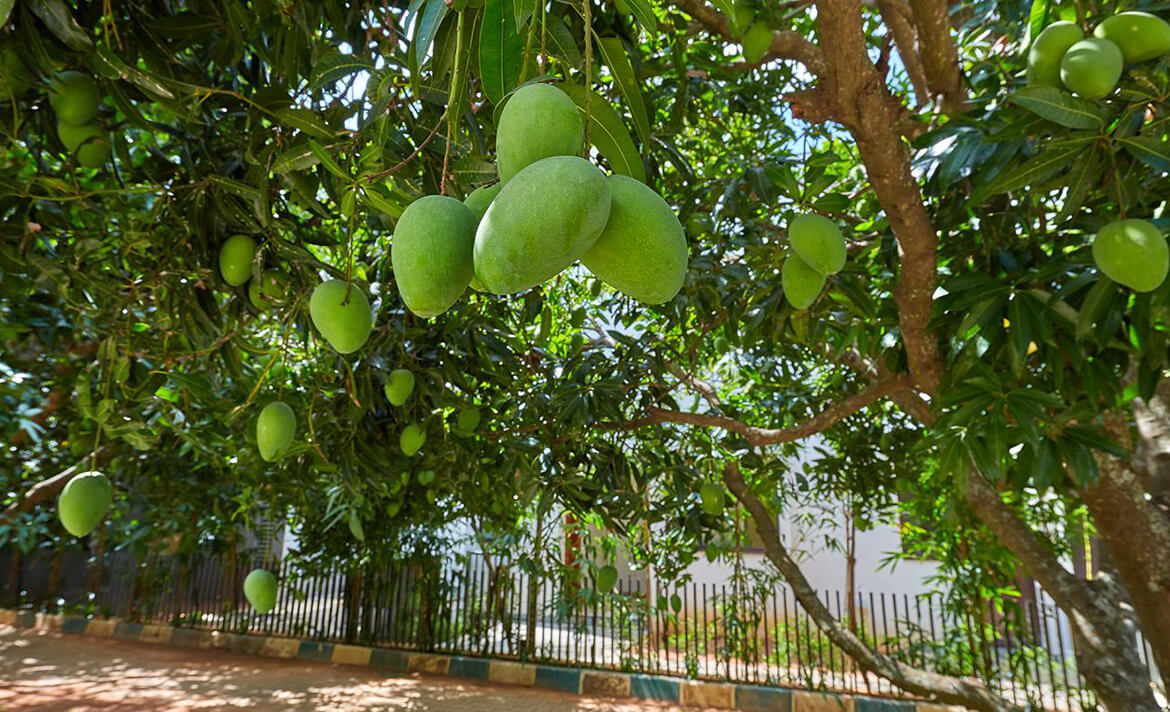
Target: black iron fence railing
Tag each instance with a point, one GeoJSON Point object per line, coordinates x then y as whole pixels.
{"type": "Point", "coordinates": [700, 631]}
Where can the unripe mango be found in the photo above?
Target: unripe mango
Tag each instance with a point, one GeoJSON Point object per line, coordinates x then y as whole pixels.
{"type": "Point", "coordinates": [84, 501]}
{"type": "Point", "coordinates": [817, 240]}
{"type": "Point", "coordinates": [431, 254]}
{"type": "Point", "coordinates": [1139, 35]}
{"type": "Point", "coordinates": [269, 290]}
{"type": "Point", "coordinates": [89, 143]}
{"type": "Point", "coordinates": [711, 498]}
{"type": "Point", "coordinates": [275, 429]}
{"type": "Point", "coordinates": [757, 41]}
{"type": "Point", "coordinates": [1091, 68]}
{"type": "Point", "coordinates": [1048, 49]}
{"type": "Point", "coordinates": [802, 284]}
{"type": "Point", "coordinates": [399, 386]}
{"type": "Point", "coordinates": [642, 252]}
{"type": "Point", "coordinates": [15, 79]}
{"type": "Point", "coordinates": [607, 577]}
{"type": "Point", "coordinates": [740, 18]}
{"type": "Point", "coordinates": [260, 590]}
{"type": "Point", "coordinates": [235, 259]}
{"type": "Point", "coordinates": [542, 221]}
{"type": "Point", "coordinates": [1133, 253]}
{"type": "Point", "coordinates": [481, 198]}
{"type": "Point", "coordinates": [411, 440]}
{"type": "Point", "coordinates": [467, 421]}
{"type": "Point", "coordinates": [74, 97]}
{"type": "Point", "coordinates": [538, 121]}
{"type": "Point", "coordinates": [341, 312]}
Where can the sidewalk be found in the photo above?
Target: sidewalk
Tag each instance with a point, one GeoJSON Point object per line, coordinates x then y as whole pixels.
{"type": "Point", "coordinates": [48, 673]}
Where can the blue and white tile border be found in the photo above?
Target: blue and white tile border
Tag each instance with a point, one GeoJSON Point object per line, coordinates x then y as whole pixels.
{"type": "Point", "coordinates": [597, 683]}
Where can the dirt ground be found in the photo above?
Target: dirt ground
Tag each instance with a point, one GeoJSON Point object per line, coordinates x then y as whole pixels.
{"type": "Point", "coordinates": [52, 672]}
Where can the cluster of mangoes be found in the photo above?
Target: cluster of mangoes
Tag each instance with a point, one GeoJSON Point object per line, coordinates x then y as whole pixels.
{"type": "Point", "coordinates": [1090, 67]}
{"type": "Point", "coordinates": [76, 101]}
{"type": "Point", "coordinates": [549, 209]}
{"type": "Point", "coordinates": [818, 251]}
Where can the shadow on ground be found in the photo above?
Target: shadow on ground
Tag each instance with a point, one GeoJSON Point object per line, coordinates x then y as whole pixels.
{"type": "Point", "coordinates": [45, 672]}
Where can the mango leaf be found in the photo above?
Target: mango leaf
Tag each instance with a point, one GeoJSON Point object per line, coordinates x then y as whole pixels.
{"type": "Point", "coordinates": [235, 187]}
{"type": "Point", "coordinates": [305, 120]}
{"type": "Point", "coordinates": [501, 50]}
{"type": "Point", "coordinates": [428, 26]}
{"type": "Point", "coordinates": [561, 43]}
{"type": "Point", "coordinates": [614, 55]}
{"type": "Point", "coordinates": [185, 25]}
{"type": "Point", "coordinates": [644, 11]}
{"type": "Point", "coordinates": [327, 160]}
{"type": "Point", "coordinates": [297, 158]}
{"type": "Point", "coordinates": [608, 132]}
{"type": "Point", "coordinates": [1037, 19]}
{"type": "Point", "coordinates": [1059, 107]}
{"type": "Point", "coordinates": [1036, 169]}
{"type": "Point", "coordinates": [1084, 175]}
{"type": "Point", "coordinates": [6, 10]}
{"type": "Point", "coordinates": [474, 170]}
{"type": "Point", "coordinates": [329, 69]}
{"type": "Point", "coordinates": [58, 18]}
{"type": "Point", "coordinates": [111, 65]}
{"type": "Point", "coordinates": [1152, 151]}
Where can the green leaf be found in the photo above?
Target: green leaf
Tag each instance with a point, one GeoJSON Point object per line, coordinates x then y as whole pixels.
{"type": "Point", "coordinates": [111, 65]}
{"type": "Point", "coordinates": [327, 160]}
{"type": "Point", "coordinates": [1084, 175]}
{"type": "Point", "coordinates": [305, 120]}
{"type": "Point", "coordinates": [355, 526]}
{"type": "Point", "coordinates": [644, 11]}
{"type": "Point", "coordinates": [501, 50]}
{"type": "Point", "coordinates": [297, 158]}
{"type": "Point", "coordinates": [1037, 19]}
{"type": "Point", "coordinates": [1094, 306]}
{"type": "Point", "coordinates": [561, 43]}
{"type": "Point", "coordinates": [1060, 107]}
{"type": "Point", "coordinates": [185, 25]}
{"type": "Point", "coordinates": [58, 18]}
{"type": "Point", "coordinates": [235, 187]}
{"type": "Point", "coordinates": [428, 25]}
{"type": "Point", "coordinates": [1036, 169]}
{"type": "Point", "coordinates": [332, 68]}
{"type": "Point", "coordinates": [613, 53]}
{"type": "Point", "coordinates": [6, 10]}
{"type": "Point", "coordinates": [1154, 152]}
{"type": "Point", "coordinates": [608, 132]}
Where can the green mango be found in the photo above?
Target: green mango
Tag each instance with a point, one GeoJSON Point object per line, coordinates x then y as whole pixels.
{"type": "Point", "coordinates": [1139, 35]}
{"type": "Point", "coordinates": [235, 259]}
{"type": "Point", "coordinates": [676, 602]}
{"type": "Point", "coordinates": [481, 198]}
{"type": "Point", "coordinates": [426, 478]}
{"type": "Point", "coordinates": [260, 590]}
{"type": "Point", "coordinates": [606, 579]}
{"type": "Point", "coordinates": [15, 79]}
{"type": "Point", "coordinates": [1092, 67]}
{"type": "Point", "coordinates": [399, 386]}
{"type": "Point", "coordinates": [1133, 253]}
{"type": "Point", "coordinates": [74, 96]}
{"type": "Point", "coordinates": [741, 18]}
{"type": "Point", "coordinates": [711, 498]}
{"type": "Point", "coordinates": [538, 121]}
{"type": "Point", "coordinates": [818, 241]}
{"type": "Point", "coordinates": [712, 553]}
{"type": "Point", "coordinates": [757, 41]}
{"type": "Point", "coordinates": [269, 290]}
{"type": "Point", "coordinates": [275, 429]}
{"type": "Point", "coordinates": [1048, 49]}
{"type": "Point", "coordinates": [84, 501]}
{"type": "Point", "coordinates": [411, 439]}
{"type": "Point", "coordinates": [642, 252]}
{"type": "Point", "coordinates": [89, 143]}
{"type": "Point", "coordinates": [431, 254]}
{"type": "Point", "coordinates": [542, 221]}
{"type": "Point", "coordinates": [722, 345]}
{"type": "Point", "coordinates": [342, 314]}
{"type": "Point", "coordinates": [467, 421]}
{"type": "Point", "coordinates": [802, 284]}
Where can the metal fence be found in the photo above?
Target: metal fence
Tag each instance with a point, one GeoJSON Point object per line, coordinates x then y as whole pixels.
{"type": "Point", "coordinates": [698, 631]}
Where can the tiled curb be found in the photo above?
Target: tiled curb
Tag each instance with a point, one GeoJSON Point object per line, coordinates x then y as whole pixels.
{"type": "Point", "coordinates": [748, 698]}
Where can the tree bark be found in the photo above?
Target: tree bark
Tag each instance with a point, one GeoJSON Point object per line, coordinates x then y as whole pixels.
{"type": "Point", "coordinates": [951, 690]}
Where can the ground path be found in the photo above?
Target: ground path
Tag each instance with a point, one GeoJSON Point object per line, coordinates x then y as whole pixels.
{"type": "Point", "coordinates": [48, 672]}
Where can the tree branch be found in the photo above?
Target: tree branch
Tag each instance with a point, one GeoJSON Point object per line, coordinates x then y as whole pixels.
{"type": "Point", "coordinates": [785, 45]}
{"type": "Point", "coordinates": [944, 688]}
{"type": "Point", "coordinates": [772, 436]}
{"type": "Point", "coordinates": [50, 486]}
{"type": "Point", "coordinates": [907, 43]}
{"type": "Point", "coordinates": [939, 55]}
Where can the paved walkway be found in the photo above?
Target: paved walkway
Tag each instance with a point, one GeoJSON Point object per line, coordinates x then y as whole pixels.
{"type": "Point", "coordinates": [51, 672]}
